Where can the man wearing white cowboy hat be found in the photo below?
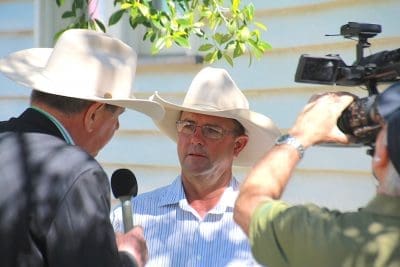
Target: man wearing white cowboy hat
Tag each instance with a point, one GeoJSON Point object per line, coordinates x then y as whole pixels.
{"type": "Point", "coordinates": [54, 196]}
{"type": "Point", "coordinates": [190, 222]}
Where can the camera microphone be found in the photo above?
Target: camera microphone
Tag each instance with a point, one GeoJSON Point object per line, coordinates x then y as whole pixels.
{"type": "Point", "coordinates": [124, 186]}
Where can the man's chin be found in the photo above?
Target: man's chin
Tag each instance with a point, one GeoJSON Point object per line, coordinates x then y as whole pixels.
{"type": "Point", "coordinates": [196, 167]}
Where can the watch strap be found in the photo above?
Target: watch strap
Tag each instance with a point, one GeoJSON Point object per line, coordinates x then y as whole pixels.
{"type": "Point", "coordinates": [288, 139]}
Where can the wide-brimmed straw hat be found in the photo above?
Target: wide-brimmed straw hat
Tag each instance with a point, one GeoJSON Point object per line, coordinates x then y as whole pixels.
{"type": "Point", "coordinates": [84, 64]}
{"type": "Point", "coordinates": [213, 92]}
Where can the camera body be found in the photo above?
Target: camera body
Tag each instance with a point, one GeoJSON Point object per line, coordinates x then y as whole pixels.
{"type": "Point", "coordinates": [361, 118]}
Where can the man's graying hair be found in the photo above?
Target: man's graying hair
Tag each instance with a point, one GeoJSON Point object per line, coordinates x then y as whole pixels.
{"type": "Point", "coordinates": [239, 128]}
{"type": "Point", "coordinates": [67, 105]}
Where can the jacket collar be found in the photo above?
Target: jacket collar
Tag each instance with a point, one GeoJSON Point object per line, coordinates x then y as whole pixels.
{"type": "Point", "coordinates": [31, 121]}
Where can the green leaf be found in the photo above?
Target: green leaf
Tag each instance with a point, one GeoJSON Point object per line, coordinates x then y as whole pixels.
{"type": "Point", "coordinates": [182, 41]}
{"type": "Point", "coordinates": [153, 36]}
{"type": "Point", "coordinates": [218, 37]}
{"type": "Point", "coordinates": [240, 48]}
{"type": "Point", "coordinates": [222, 38]}
{"type": "Point", "coordinates": [235, 5]}
{"type": "Point", "coordinates": [91, 25]}
{"type": "Point", "coordinates": [260, 25]}
{"type": "Point", "coordinates": [100, 24]}
{"type": "Point", "coordinates": [206, 13]}
{"type": "Point", "coordinates": [68, 14]}
{"type": "Point", "coordinates": [205, 47]}
{"type": "Point", "coordinates": [250, 60]}
{"type": "Point", "coordinates": [126, 5]}
{"type": "Point", "coordinates": [171, 7]}
{"type": "Point", "coordinates": [248, 12]}
{"type": "Point", "coordinates": [164, 20]}
{"type": "Point", "coordinates": [115, 17]}
{"type": "Point", "coordinates": [198, 32]}
{"type": "Point", "coordinates": [184, 22]}
{"type": "Point", "coordinates": [264, 45]}
{"type": "Point", "coordinates": [143, 9]}
{"type": "Point", "coordinates": [211, 57]}
{"type": "Point", "coordinates": [255, 35]}
{"type": "Point", "coordinates": [228, 59]}
{"type": "Point", "coordinates": [158, 45]}
{"type": "Point", "coordinates": [168, 42]}
{"type": "Point", "coordinates": [82, 20]}
{"type": "Point", "coordinates": [79, 3]}
{"type": "Point", "coordinates": [58, 34]}
{"type": "Point", "coordinates": [133, 22]}
{"type": "Point", "coordinates": [258, 51]}
{"type": "Point", "coordinates": [232, 27]}
{"type": "Point", "coordinates": [219, 54]}
{"type": "Point", "coordinates": [244, 34]}
{"type": "Point", "coordinates": [60, 2]}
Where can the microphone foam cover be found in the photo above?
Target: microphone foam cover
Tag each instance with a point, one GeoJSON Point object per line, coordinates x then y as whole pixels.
{"type": "Point", "coordinates": [123, 183]}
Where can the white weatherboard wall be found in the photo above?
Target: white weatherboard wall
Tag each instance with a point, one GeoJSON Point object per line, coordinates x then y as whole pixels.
{"type": "Point", "coordinates": [330, 176]}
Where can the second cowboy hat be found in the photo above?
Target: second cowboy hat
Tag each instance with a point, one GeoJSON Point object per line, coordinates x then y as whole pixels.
{"type": "Point", "coordinates": [213, 92]}
{"type": "Point", "coordinates": [83, 64]}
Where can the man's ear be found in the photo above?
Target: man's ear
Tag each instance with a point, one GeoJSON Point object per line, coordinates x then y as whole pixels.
{"type": "Point", "coordinates": [92, 115]}
{"type": "Point", "coordinates": [240, 143]}
{"type": "Point", "coordinates": [381, 155]}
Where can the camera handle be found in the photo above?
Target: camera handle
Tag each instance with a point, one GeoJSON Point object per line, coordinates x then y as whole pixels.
{"type": "Point", "coordinates": [362, 43]}
{"type": "Point", "coordinates": [371, 87]}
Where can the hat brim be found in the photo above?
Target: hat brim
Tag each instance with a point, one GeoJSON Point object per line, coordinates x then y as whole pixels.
{"type": "Point", "coordinates": [260, 129]}
{"type": "Point", "coordinates": [26, 67]}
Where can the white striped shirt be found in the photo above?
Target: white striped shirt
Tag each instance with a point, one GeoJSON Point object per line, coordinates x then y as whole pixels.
{"type": "Point", "coordinates": [176, 236]}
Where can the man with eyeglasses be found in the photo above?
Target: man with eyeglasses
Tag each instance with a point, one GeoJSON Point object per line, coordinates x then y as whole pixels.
{"type": "Point", "coordinates": [190, 222]}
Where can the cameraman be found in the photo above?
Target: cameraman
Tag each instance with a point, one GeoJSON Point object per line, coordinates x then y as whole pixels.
{"type": "Point", "coordinates": [307, 235]}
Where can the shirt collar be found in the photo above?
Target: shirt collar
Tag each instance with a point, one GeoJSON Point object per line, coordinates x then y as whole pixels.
{"type": "Point", "coordinates": [67, 137]}
{"type": "Point", "coordinates": [385, 205]}
{"type": "Point", "coordinates": [175, 195]}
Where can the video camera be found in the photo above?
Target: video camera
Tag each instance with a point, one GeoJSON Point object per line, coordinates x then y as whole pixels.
{"type": "Point", "coordinates": [361, 118]}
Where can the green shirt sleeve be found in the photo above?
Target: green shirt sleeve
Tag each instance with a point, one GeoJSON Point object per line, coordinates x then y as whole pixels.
{"type": "Point", "coordinates": [284, 235]}
{"type": "Point", "coordinates": [264, 243]}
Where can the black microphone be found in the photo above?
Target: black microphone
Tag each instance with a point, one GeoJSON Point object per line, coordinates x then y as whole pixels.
{"type": "Point", "coordinates": [124, 186]}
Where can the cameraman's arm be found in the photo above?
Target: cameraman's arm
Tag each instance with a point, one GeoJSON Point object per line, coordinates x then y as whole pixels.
{"type": "Point", "coordinates": [268, 178]}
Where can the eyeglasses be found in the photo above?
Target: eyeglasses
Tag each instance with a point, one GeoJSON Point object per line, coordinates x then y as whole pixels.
{"type": "Point", "coordinates": [208, 131]}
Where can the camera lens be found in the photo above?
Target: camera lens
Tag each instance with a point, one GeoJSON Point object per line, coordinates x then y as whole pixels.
{"type": "Point", "coordinates": [359, 120]}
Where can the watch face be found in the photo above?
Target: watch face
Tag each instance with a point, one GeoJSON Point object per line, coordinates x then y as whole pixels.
{"type": "Point", "coordinates": [282, 138]}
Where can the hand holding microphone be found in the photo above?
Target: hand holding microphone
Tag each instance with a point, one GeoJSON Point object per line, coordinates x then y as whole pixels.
{"type": "Point", "coordinates": [124, 186]}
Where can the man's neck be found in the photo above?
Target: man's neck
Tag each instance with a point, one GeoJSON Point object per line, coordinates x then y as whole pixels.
{"type": "Point", "coordinates": [204, 194]}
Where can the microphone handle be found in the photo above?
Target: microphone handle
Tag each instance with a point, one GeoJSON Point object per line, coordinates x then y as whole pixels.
{"type": "Point", "coordinates": [126, 205]}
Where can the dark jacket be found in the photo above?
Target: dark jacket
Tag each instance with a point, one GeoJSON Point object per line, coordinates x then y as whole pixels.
{"type": "Point", "coordinates": [54, 199]}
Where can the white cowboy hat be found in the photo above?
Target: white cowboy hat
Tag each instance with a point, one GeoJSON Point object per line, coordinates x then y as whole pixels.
{"type": "Point", "coordinates": [84, 64]}
{"type": "Point", "coordinates": [213, 92]}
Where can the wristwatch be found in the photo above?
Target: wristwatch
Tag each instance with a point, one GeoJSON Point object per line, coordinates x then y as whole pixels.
{"type": "Point", "coordinates": [290, 140]}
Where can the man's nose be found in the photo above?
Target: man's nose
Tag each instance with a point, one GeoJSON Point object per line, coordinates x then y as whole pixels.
{"type": "Point", "coordinates": [197, 135]}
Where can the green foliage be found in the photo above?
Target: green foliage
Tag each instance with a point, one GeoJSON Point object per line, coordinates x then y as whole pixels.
{"type": "Point", "coordinates": [83, 20]}
{"type": "Point", "coordinates": [226, 32]}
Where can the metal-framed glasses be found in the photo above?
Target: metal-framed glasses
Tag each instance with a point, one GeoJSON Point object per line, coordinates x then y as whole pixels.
{"type": "Point", "coordinates": [208, 131]}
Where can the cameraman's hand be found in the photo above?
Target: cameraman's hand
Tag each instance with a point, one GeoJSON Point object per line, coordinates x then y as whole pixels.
{"type": "Point", "coordinates": [134, 243]}
{"type": "Point", "coordinates": [317, 122]}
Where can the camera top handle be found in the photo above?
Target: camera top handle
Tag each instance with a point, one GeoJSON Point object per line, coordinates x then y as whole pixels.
{"type": "Point", "coordinates": [362, 31]}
